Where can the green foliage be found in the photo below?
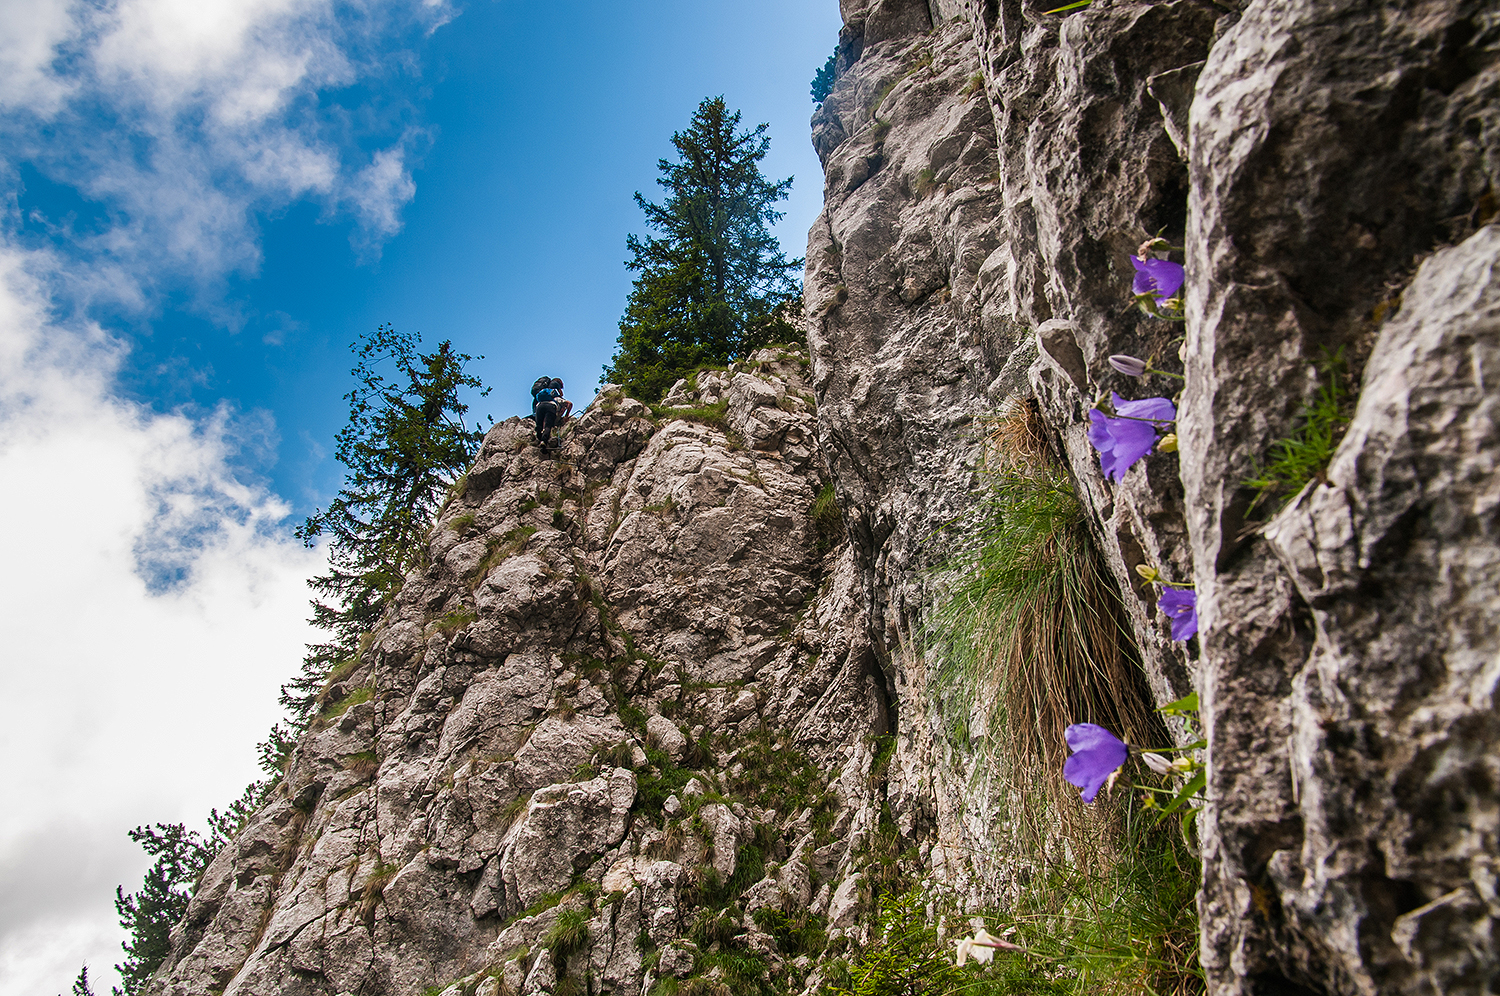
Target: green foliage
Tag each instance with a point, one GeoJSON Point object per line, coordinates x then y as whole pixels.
{"type": "Point", "coordinates": [334, 710]}
{"type": "Point", "coordinates": [715, 415]}
{"type": "Point", "coordinates": [81, 985]}
{"type": "Point", "coordinates": [1125, 921]}
{"type": "Point", "coordinates": [405, 445]}
{"type": "Point", "coordinates": [827, 520]}
{"type": "Point", "coordinates": [802, 934]}
{"type": "Point", "coordinates": [906, 959]}
{"type": "Point", "coordinates": [567, 935]}
{"type": "Point", "coordinates": [1113, 921]}
{"type": "Point", "coordinates": [457, 619]}
{"type": "Point", "coordinates": [1303, 456]}
{"type": "Point", "coordinates": [714, 285]}
{"type": "Point", "coordinates": [181, 856]}
{"type": "Point", "coordinates": [822, 84]}
{"type": "Point", "coordinates": [1029, 628]}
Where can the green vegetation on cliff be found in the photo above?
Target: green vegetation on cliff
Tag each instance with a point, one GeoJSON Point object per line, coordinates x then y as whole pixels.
{"type": "Point", "coordinates": [714, 284]}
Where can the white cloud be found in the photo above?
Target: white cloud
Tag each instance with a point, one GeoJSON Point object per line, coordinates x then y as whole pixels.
{"type": "Point", "coordinates": [152, 601]}
{"type": "Point", "coordinates": [34, 31]}
{"type": "Point", "coordinates": [121, 706]}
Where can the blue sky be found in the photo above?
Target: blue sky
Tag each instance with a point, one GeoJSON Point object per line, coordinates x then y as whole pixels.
{"type": "Point", "coordinates": [202, 203]}
{"type": "Point", "coordinates": [526, 129]}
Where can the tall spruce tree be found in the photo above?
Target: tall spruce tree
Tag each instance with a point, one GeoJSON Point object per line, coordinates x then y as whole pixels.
{"type": "Point", "coordinates": [714, 284]}
{"type": "Point", "coordinates": [405, 445]}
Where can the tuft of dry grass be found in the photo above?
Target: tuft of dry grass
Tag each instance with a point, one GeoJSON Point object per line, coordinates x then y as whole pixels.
{"type": "Point", "coordinates": [1030, 630]}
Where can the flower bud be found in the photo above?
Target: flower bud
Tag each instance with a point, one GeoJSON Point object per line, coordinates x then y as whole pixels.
{"type": "Point", "coordinates": [1148, 572]}
{"type": "Point", "coordinates": [1156, 762]}
{"type": "Point", "coordinates": [1168, 443]}
{"type": "Point", "coordinates": [1130, 366]}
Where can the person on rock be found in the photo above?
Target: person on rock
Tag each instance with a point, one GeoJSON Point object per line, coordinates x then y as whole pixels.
{"type": "Point", "coordinates": [564, 406]}
{"type": "Point", "coordinates": [544, 405]}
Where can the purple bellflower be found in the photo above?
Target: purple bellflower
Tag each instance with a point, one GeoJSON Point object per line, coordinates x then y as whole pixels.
{"type": "Point", "coordinates": [1160, 278]}
{"type": "Point", "coordinates": [1097, 755]}
{"type": "Point", "coordinates": [1122, 441]}
{"type": "Point", "coordinates": [1181, 606]}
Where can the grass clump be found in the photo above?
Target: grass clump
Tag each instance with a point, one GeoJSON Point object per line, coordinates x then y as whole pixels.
{"type": "Point", "coordinates": [334, 710]}
{"type": "Point", "coordinates": [567, 935]}
{"type": "Point", "coordinates": [500, 548]}
{"type": "Point", "coordinates": [1122, 920]}
{"type": "Point", "coordinates": [1118, 919]}
{"type": "Point", "coordinates": [455, 620]}
{"type": "Point", "coordinates": [827, 520]}
{"type": "Point", "coordinates": [715, 416]}
{"type": "Point", "coordinates": [1029, 629]}
{"type": "Point", "coordinates": [1304, 455]}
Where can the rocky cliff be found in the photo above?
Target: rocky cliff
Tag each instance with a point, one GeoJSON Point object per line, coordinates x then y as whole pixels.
{"type": "Point", "coordinates": [1331, 170]}
{"type": "Point", "coordinates": [642, 715]}
{"type": "Point", "coordinates": [630, 687]}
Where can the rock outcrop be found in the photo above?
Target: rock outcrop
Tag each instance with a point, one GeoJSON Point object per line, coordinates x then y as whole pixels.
{"type": "Point", "coordinates": [991, 170]}
{"type": "Point", "coordinates": [635, 680]}
{"type": "Point", "coordinates": [628, 679]}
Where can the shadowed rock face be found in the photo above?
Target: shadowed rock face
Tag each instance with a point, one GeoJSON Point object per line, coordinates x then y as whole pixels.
{"type": "Point", "coordinates": [990, 170]}
{"type": "Point", "coordinates": [650, 604]}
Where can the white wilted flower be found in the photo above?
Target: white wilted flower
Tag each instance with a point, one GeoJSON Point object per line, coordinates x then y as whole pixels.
{"type": "Point", "coordinates": [982, 947]}
{"type": "Point", "coordinates": [1156, 762]}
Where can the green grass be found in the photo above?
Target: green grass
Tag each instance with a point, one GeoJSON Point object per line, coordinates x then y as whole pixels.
{"type": "Point", "coordinates": [1304, 455]}
{"type": "Point", "coordinates": [336, 709]}
{"type": "Point", "coordinates": [567, 935]}
{"type": "Point", "coordinates": [827, 520]}
{"type": "Point", "coordinates": [457, 619]}
{"type": "Point", "coordinates": [715, 416]}
{"type": "Point", "coordinates": [1121, 919]}
{"type": "Point", "coordinates": [1029, 627]}
{"type": "Point", "coordinates": [501, 548]}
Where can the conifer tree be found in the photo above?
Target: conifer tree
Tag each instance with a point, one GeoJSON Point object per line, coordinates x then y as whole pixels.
{"type": "Point", "coordinates": [405, 445]}
{"type": "Point", "coordinates": [713, 284]}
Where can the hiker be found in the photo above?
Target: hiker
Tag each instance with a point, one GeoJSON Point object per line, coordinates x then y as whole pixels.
{"type": "Point", "coordinates": [564, 406]}
{"type": "Point", "coordinates": [544, 398]}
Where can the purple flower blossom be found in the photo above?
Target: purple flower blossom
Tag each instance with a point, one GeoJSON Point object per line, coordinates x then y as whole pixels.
{"type": "Point", "coordinates": [1123, 441]}
{"type": "Point", "coordinates": [1160, 278]}
{"type": "Point", "coordinates": [1097, 755]}
{"type": "Point", "coordinates": [1181, 606]}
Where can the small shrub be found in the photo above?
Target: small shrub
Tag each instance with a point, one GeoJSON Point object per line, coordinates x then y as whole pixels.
{"type": "Point", "coordinates": [823, 80]}
{"type": "Point", "coordinates": [462, 522]}
{"type": "Point", "coordinates": [906, 957]}
{"type": "Point", "coordinates": [925, 183]}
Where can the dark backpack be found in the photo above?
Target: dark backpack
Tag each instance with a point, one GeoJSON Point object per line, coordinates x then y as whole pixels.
{"type": "Point", "coordinates": [541, 384]}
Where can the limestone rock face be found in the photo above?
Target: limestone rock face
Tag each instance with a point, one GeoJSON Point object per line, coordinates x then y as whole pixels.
{"type": "Point", "coordinates": [633, 677]}
{"type": "Point", "coordinates": [990, 171]}
{"type": "Point", "coordinates": [482, 798]}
